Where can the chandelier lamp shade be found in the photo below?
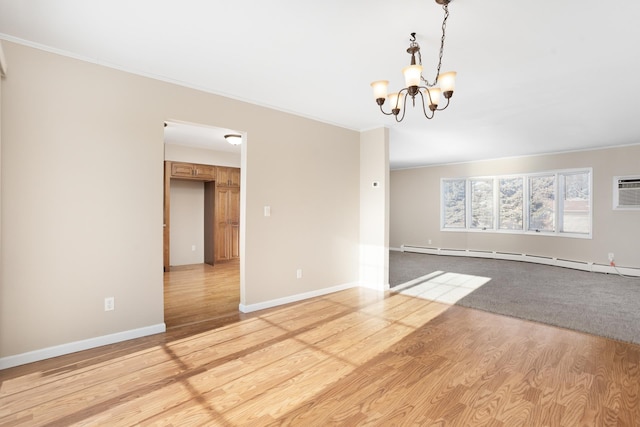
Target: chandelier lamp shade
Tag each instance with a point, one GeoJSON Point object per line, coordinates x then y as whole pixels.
{"type": "Point", "coordinates": [429, 93]}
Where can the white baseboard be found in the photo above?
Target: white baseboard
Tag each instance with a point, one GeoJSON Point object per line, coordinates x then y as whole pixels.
{"type": "Point", "coordinates": [577, 265]}
{"type": "Point", "coordinates": [72, 347]}
{"type": "Point", "coordinates": [295, 298]}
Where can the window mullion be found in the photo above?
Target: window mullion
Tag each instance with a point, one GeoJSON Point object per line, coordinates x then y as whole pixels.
{"type": "Point", "coordinates": [559, 202]}
{"type": "Point", "coordinates": [467, 201]}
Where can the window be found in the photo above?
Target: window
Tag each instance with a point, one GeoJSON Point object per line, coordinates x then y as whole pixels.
{"type": "Point", "coordinates": [510, 203]}
{"type": "Point", "coordinates": [549, 203]}
{"type": "Point", "coordinates": [542, 202]}
{"type": "Point", "coordinates": [575, 204]}
{"type": "Point", "coordinates": [482, 203]}
{"type": "Point", "coordinates": [454, 212]}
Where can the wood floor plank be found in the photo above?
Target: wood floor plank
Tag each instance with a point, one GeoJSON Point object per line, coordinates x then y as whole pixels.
{"type": "Point", "coordinates": [193, 293]}
{"type": "Point", "coordinates": [355, 357]}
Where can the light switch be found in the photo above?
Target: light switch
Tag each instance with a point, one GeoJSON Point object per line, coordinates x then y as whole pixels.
{"type": "Point", "coordinates": [267, 211]}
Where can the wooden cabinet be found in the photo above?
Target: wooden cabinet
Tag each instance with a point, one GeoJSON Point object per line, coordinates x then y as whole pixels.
{"type": "Point", "coordinates": [221, 213]}
{"type": "Point", "coordinates": [227, 223]}
{"type": "Point", "coordinates": [193, 171]}
{"type": "Point", "coordinates": [227, 177]}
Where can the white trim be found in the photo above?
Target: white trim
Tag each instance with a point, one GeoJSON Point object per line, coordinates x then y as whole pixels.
{"type": "Point", "coordinates": [397, 249]}
{"type": "Point", "coordinates": [248, 308]}
{"type": "Point", "coordinates": [535, 259]}
{"type": "Point", "coordinates": [72, 347]}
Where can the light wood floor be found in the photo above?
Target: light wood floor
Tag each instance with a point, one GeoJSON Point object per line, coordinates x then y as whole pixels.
{"type": "Point", "coordinates": [198, 292]}
{"type": "Point", "coordinates": [350, 358]}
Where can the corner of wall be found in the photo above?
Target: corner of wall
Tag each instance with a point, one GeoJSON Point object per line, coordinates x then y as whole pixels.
{"type": "Point", "coordinates": [374, 209]}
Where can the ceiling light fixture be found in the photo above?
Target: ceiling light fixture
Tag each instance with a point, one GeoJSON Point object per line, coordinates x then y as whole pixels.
{"type": "Point", "coordinates": [233, 139]}
{"type": "Point", "coordinates": [413, 79]}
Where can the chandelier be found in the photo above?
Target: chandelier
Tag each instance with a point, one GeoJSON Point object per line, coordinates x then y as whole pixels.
{"type": "Point", "coordinates": [414, 81]}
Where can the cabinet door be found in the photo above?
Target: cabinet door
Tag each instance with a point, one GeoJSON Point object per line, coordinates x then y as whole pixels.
{"type": "Point", "coordinates": [227, 177]}
{"type": "Point", "coordinates": [221, 233]}
{"type": "Point", "coordinates": [227, 233]}
{"type": "Point", "coordinates": [205, 172]}
{"type": "Point", "coordinates": [222, 176]}
{"type": "Point", "coordinates": [234, 222]}
{"type": "Point", "coordinates": [235, 241]}
{"type": "Point", "coordinates": [234, 177]}
{"type": "Point", "coordinates": [181, 170]}
{"type": "Point", "coordinates": [233, 207]}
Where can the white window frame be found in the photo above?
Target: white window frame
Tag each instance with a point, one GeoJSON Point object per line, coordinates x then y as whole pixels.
{"type": "Point", "coordinates": [558, 204]}
{"type": "Point", "coordinates": [527, 183]}
{"type": "Point", "coordinates": [560, 200]}
{"type": "Point", "coordinates": [469, 203]}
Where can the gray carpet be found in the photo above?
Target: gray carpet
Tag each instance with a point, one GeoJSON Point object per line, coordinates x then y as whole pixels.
{"type": "Point", "coordinates": [595, 303]}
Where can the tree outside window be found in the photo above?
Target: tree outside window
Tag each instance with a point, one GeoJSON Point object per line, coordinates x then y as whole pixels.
{"type": "Point", "coordinates": [511, 203]}
{"type": "Point", "coordinates": [541, 203]}
{"type": "Point", "coordinates": [454, 196]}
{"type": "Point", "coordinates": [482, 203]}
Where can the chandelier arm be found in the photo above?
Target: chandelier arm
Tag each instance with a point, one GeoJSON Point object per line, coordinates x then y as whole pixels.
{"type": "Point", "coordinates": [383, 112]}
{"type": "Point", "coordinates": [428, 94]}
{"type": "Point", "coordinates": [404, 107]}
{"type": "Point", "coordinates": [424, 109]}
{"type": "Point", "coordinates": [445, 107]}
{"type": "Point", "coordinates": [444, 27]}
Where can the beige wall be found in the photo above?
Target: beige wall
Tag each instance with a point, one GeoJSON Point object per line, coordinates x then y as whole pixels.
{"type": "Point", "coordinates": [82, 165]}
{"type": "Point", "coordinates": [2, 65]}
{"type": "Point", "coordinates": [187, 222]}
{"type": "Point", "coordinates": [415, 208]}
{"type": "Point", "coordinates": [311, 184]}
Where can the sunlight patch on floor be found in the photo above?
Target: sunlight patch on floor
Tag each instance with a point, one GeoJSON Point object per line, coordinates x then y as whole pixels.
{"type": "Point", "coordinates": [440, 286]}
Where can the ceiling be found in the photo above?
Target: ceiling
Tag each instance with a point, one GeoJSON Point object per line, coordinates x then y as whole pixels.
{"type": "Point", "coordinates": [199, 136]}
{"type": "Point", "coordinates": [533, 76]}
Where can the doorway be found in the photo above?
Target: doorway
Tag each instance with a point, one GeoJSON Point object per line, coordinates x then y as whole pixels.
{"type": "Point", "coordinates": [201, 281]}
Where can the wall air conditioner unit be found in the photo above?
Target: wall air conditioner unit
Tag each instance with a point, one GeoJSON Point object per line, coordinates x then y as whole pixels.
{"type": "Point", "coordinates": [626, 192]}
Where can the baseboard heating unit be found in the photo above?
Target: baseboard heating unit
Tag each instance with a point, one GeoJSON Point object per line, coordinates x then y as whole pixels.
{"type": "Point", "coordinates": [536, 259]}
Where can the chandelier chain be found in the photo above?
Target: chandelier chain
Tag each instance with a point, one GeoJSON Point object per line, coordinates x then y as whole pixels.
{"type": "Point", "coordinates": [444, 28]}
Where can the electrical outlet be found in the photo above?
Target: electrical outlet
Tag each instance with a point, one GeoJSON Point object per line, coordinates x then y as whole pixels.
{"type": "Point", "coordinates": [193, 248]}
{"type": "Point", "coordinates": [611, 257]}
{"type": "Point", "coordinates": [109, 303]}
{"type": "Point", "coordinates": [299, 273]}
{"type": "Point", "coordinates": [429, 242]}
